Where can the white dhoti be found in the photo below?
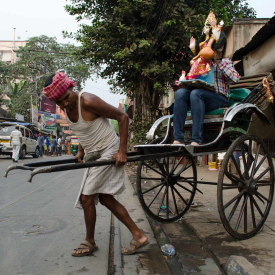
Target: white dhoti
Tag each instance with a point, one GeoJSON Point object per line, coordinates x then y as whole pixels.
{"type": "Point", "coordinates": [15, 152]}
{"type": "Point", "coordinates": [107, 179]}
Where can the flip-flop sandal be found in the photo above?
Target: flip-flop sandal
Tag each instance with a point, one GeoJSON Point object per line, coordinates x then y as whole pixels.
{"type": "Point", "coordinates": [136, 246]}
{"type": "Point", "coordinates": [85, 245]}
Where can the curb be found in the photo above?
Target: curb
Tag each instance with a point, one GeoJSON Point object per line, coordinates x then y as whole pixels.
{"type": "Point", "coordinates": [239, 265]}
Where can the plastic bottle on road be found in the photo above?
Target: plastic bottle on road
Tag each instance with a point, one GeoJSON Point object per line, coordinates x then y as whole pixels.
{"type": "Point", "coordinates": [168, 250]}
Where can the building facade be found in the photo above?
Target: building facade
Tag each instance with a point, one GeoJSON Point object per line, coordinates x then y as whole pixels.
{"type": "Point", "coordinates": [7, 48]}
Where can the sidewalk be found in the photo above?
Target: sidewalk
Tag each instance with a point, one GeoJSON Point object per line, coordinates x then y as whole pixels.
{"type": "Point", "coordinates": [205, 222]}
{"type": "Point", "coordinates": [149, 261]}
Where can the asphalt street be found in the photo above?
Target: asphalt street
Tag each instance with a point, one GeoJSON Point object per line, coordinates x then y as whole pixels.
{"type": "Point", "coordinates": [39, 225]}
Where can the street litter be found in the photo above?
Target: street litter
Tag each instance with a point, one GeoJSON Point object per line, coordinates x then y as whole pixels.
{"type": "Point", "coordinates": [168, 250]}
{"type": "Point", "coordinates": [164, 209]}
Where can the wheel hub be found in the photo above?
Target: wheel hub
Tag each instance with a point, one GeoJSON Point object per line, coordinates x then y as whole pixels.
{"type": "Point", "coordinates": [252, 187]}
{"type": "Point", "coordinates": [170, 180]}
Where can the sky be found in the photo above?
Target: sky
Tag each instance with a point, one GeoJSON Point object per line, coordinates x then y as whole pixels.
{"type": "Point", "coordinates": [37, 17]}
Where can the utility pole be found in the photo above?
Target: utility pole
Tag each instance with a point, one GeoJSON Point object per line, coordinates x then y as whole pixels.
{"type": "Point", "coordinates": [14, 44]}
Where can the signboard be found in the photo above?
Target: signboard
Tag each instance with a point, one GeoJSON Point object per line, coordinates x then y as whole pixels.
{"type": "Point", "coordinates": [47, 105]}
{"type": "Point", "coordinates": [34, 115]}
{"type": "Point", "coordinates": [46, 121]}
{"type": "Point", "coordinates": [19, 117]}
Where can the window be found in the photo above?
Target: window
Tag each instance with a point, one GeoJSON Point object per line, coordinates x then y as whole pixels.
{"type": "Point", "coordinates": [27, 133]}
{"type": "Point", "coordinates": [22, 131]}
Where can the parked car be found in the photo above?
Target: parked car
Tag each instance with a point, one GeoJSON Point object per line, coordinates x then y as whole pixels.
{"type": "Point", "coordinates": [29, 145]}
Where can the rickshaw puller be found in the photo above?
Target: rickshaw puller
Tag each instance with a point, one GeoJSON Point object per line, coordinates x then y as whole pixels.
{"type": "Point", "coordinates": [87, 115]}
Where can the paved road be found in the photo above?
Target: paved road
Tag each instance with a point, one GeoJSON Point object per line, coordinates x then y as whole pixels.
{"type": "Point", "coordinates": [39, 225]}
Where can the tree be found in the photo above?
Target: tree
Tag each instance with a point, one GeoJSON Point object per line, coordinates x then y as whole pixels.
{"type": "Point", "coordinates": [16, 89]}
{"type": "Point", "coordinates": [41, 57]}
{"type": "Point", "coordinates": [141, 45]}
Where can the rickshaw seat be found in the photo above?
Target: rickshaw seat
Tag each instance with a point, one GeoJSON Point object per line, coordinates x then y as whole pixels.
{"type": "Point", "coordinates": [236, 95]}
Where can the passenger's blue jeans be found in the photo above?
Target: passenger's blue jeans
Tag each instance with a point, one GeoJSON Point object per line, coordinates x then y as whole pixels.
{"type": "Point", "coordinates": [199, 101]}
{"type": "Point", "coordinates": [40, 150]}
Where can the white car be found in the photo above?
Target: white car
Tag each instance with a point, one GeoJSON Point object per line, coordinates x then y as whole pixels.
{"type": "Point", "coordinates": [29, 145]}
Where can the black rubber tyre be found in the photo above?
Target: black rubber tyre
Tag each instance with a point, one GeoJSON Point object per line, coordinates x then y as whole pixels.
{"type": "Point", "coordinates": [37, 153]}
{"type": "Point", "coordinates": [245, 198]}
{"type": "Point", "coordinates": [178, 183]}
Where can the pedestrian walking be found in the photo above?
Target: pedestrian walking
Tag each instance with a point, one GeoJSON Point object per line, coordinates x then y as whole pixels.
{"type": "Point", "coordinates": [16, 142]}
{"type": "Point", "coordinates": [59, 147]}
{"type": "Point", "coordinates": [87, 115]}
{"type": "Point", "coordinates": [53, 146]}
{"type": "Point", "coordinates": [40, 141]}
{"type": "Point", "coordinates": [48, 144]}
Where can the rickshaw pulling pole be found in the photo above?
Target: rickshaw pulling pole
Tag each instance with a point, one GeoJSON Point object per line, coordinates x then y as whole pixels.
{"type": "Point", "coordinates": [31, 166]}
{"type": "Point", "coordinates": [64, 166]}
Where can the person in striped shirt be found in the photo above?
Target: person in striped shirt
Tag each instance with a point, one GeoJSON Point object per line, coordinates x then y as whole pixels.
{"type": "Point", "coordinates": [201, 101]}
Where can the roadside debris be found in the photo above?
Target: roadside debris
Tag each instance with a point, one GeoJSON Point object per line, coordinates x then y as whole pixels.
{"type": "Point", "coordinates": [168, 250]}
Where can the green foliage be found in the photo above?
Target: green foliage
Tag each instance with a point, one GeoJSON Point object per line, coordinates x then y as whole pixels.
{"type": "Point", "coordinates": [142, 45]}
{"type": "Point", "coordinates": [139, 129]}
{"type": "Point", "coordinates": [41, 57]}
{"type": "Point", "coordinates": [16, 89]}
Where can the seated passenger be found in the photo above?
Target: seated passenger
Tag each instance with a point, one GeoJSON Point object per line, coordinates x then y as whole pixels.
{"type": "Point", "coordinates": [201, 101]}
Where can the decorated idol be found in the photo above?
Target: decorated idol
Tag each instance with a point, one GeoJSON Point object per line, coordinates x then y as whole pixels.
{"type": "Point", "coordinates": [212, 38]}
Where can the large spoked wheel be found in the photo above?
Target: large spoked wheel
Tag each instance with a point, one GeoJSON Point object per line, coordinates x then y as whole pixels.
{"type": "Point", "coordinates": [167, 190]}
{"type": "Point", "coordinates": [245, 193]}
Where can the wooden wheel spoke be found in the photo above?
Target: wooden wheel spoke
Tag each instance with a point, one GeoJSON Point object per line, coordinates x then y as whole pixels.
{"type": "Point", "coordinates": [262, 174]}
{"type": "Point", "coordinates": [237, 167]}
{"type": "Point", "coordinates": [184, 168]}
{"type": "Point", "coordinates": [249, 156]}
{"type": "Point", "coordinates": [197, 189]}
{"type": "Point", "coordinates": [173, 164]}
{"type": "Point", "coordinates": [235, 198]}
{"type": "Point", "coordinates": [151, 178]}
{"type": "Point", "coordinates": [162, 200]}
{"type": "Point", "coordinates": [241, 213]}
{"type": "Point", "coordinates": [252, 212]}
{"type": "Point", "coordinates": [234, 178]}
{"type": "Point", "coordinates": [257, 206]}
{"type": "Point", "coordinates": [174, 169]}
{"type": "Point", "coordinates": [262, 196]}
{"type": "Point", "coordinates": [244, 159]}
{"type": "Point", "coordinates": [150, 167]}
{"type": "Point", "coordinates": [184, 188]}
{"type": "Point", "coordinates": [255, 161]}
{"type": "Point", "coordinates": [259, 198]}
{"type": "Point", "coordinates": [259, 165]}
{"type": "Point", "coordinates": [152, 188]}
{"type": "Point", "coordinates": [264, 184]}
{"type": "Point", "coordinates": [155, 196]}
{"type": "Point", "coordinates": [245, 216]}
{"type": "Point", "coordinates": [167, 202]}
{"type": "Point", "coordinates": [234, 208]}
{"type": "Point", "coordinates": [166, 163]}
{"type": "Point", "coordinates": [161, 168]}
{"type": "Point", "coordinates": [230, 187]}
{"type": "Point", "coordinates": [179, 195]}
{"type": "Point", "coordinates": [174, 199]}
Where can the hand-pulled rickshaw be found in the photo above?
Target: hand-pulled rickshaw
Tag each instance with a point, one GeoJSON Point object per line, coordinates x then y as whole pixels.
{"type": "Point", "coordinates": [245, 184]}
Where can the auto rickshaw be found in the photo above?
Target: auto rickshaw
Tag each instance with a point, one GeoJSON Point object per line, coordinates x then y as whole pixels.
{"type": "Point", "coordinates": [74, 145]}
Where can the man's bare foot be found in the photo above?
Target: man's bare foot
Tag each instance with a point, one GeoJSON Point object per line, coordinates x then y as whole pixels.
{"type": "Point", "coordinates": [193, 143]}
{"type": "Point", "coordinates": [178, 142]}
